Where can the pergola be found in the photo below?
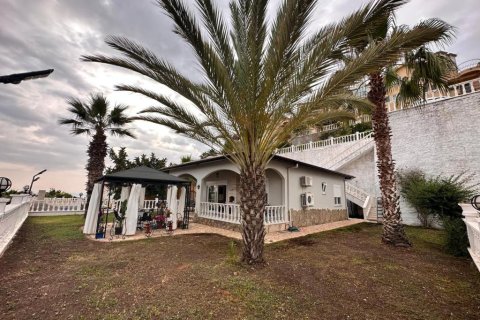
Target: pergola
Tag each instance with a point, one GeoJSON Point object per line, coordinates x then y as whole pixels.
{"type": "Point", "coordinates": [136, 177]}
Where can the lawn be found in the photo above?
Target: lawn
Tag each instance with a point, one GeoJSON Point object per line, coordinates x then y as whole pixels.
{"type": "Point", "coordinates": [52, 272]}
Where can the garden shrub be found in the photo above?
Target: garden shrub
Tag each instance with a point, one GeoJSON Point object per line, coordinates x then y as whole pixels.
{"type": "Point", "coordinates": [437, 198]}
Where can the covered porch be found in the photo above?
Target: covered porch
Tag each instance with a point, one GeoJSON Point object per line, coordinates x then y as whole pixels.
{"type": "Point", "coordinates": [220, 194]}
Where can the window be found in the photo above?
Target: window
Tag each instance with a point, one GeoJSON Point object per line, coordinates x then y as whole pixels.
{"type": "Point", "coordinates": [337, 195]}
{"type": "Point", "coordinates": [468, 88]}
{"type": "Point", "coordinates": [324, 188]}
{"type": "Point", "coordinates": [459, 90]}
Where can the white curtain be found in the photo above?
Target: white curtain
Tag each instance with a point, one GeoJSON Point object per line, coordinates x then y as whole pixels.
{"type": "Point", "coordinates": [132, 210]}
{"type": "Point", "coordinates": [169, 195]}
{"type": "Point", "coordinates": [90, 226]}
{"type": "Point", "coordinates": [141, 199]}
{"type": "Point", "coordinates": [172, 204]}
{"type": "Point", "coordinates": [181, 203]}
{"type": "Point", "coordinates": [124, 194]}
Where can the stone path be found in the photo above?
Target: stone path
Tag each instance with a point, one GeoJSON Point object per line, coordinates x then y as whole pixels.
{"type": "Point", "coordinates": [195, 228]}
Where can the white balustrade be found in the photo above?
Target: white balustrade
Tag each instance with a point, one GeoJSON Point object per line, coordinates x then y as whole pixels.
{"type": "Point", "coordinates": [57, 205]}
{"type": "Point", "coordinates": [275, 215]}
{"type": "Point", "coordinates": [231, 213]}
{"type": "Point", "coordinates": [335, 162]}
{"type": "Point", "coordinates": [472, 221]}
{"type": "Point", "coordinates": [12, 217]}
{"type": "Point", "coordinates": [366, 135]}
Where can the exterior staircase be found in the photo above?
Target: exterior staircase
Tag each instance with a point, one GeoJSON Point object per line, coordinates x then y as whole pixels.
{"type": "Point", "coordinates": [356, 150]}
{"type": "Point", "coordinates": [333, 154]}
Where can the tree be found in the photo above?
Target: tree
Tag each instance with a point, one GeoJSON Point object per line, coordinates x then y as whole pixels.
{"type": "Point", "coordinates": [186, 158]}
{"type": "Point", "coordinates": [424, 71]}
{"type": "Point", "coordinates": [260, 83]}
{"type": "Point", "coordinates": [96, 119]}
{"type": "Point", "coordinates": [209, 153]}
{"type": "Point", "coordinates": [53, 193]}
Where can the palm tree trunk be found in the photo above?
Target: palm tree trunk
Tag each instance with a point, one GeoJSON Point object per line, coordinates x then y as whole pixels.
{"type": "Point", "coordinates": [252, 203]}
{"type": "Point", "coordinates": [393, 231]}
{"type": "Point", "coordinates": [97, 151]}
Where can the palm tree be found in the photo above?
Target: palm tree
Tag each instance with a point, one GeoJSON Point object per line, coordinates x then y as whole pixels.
{"type": "Point", "coordinates": [94, 118]}
{"type": "Point", "coordinates": [425, 68]}
{"type": "Point", "coordinates": [260, 82]}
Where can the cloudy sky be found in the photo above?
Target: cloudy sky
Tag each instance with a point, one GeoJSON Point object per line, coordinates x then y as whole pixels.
{"type": "Point", "coordinates": [43, 34]}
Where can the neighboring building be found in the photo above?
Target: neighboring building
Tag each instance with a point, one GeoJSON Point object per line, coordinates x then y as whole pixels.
{"type": "Point", "coordinates": [298, 193]}
{"type": "Point", "coordinates": [463, 80]}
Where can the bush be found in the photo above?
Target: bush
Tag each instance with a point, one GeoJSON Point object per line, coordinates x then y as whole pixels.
{"type": "Point", "coordinates": [437, 198]}
{"type": "Point", "coordinates": [456, 242]}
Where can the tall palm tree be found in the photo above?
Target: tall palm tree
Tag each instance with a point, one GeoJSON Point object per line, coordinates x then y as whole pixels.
{"type": "Point", "coordinates": [424, 68]}
{"type": "Point", "coordinates": [94, 118]}
{"type": "Point", "coordinates": [260, 82]}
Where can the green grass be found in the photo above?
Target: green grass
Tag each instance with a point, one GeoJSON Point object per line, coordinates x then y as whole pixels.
{"type": "Point", "coordinates": [345, 273]}
{"type": "Point", "coordinates": [58, 227]}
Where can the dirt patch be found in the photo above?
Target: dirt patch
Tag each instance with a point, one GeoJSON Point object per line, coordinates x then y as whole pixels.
{"type": "Point", "coordinates": [51, 272]}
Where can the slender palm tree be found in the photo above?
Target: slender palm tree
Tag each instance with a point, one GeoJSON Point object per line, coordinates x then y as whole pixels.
{"type": "Point", "coordinates": [260, 82]}
{"type": "Point", "coordinates": [424, 68]}
{"type": "Point", "coordinates": [94, 118]}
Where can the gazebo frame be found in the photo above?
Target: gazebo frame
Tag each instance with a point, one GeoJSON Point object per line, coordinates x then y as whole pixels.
{"type": "Point", "coordinates": [145, 176]}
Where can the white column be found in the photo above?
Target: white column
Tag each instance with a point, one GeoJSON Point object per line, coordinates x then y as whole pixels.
{"type": "Point", "coordinates": [3, 204]}
{"type": "Point", "coordinates": [181, 203]}
{"type": "Point", "coordinates": [17, 198]}
{"type": "Point", "coordinates": [141, 200]}
{"type": "Point", "coordinates": [173, 206]}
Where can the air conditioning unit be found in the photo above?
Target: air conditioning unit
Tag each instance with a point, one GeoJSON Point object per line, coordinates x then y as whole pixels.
{"type": "Point", "coordinates": [306, 199]}
{"type": "Point", "coordinates": [306, 181]}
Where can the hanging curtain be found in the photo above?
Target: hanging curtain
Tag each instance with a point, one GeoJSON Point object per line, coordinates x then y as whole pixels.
{"type": "Point", "coordinates": [181, 203]}
{"type": "Point", "coordinates": [124, 194]}
{"type": "Point", "coordinates": [132, 210]}
{"type": "Point", "coordinates": [90, 226]}
{"type": "Point", "coordinates": [141, 199]}
{"type": "Point", "coordinates": [169, 195]}
{"type": "Point", "coordinates": [172, 204]}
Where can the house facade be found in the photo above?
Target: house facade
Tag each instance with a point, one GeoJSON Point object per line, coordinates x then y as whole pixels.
{"type": "Point", "coordinates": [298, 194]}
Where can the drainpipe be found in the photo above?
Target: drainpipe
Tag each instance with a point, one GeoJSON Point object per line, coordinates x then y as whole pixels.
{"type": "Point", "coordinates": [288, 193]}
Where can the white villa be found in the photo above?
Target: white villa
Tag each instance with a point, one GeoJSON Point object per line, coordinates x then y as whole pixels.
{"type": "Point", "coordinates": [298, 193]}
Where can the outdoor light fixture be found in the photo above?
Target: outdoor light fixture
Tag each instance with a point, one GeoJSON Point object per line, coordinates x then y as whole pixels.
{"type": "Point", "coordinates": [475, 201]}
{"type": "Point", "coordinates": [5, 184]}
{"type": "Point", "coordinates": [16, 78]}
{"type": "Point", "coordinates": [35, 178]}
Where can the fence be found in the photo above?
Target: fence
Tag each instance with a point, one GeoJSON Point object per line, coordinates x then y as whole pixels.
{"type": "Point", "coordinates": [12, 217]}
{"type": "Point", "coordinates": [472, 221]}
{"type": "Point", "coordinates": [57, 206]}
{"type": "Point", "coordinates": [325, 143]}
{"type": "Point", "coordinates": [231, 213]}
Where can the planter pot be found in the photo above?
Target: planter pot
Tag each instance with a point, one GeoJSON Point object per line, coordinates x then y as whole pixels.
{"type": "Point", "coordinates": [99, 235]}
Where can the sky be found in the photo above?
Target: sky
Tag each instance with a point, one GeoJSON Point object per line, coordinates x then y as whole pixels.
{"type": "Point", "coordinates": [53, 34]}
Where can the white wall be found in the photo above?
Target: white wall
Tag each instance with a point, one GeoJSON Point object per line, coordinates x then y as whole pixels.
{"type": "Point", "coordinates": [363, 171]}
{"type": "Point", "coordinates": [289, 175]}
{"type": "Point", "coordinates": [439, 138]}
{"type": "Point", "coordinates": [321, 201]}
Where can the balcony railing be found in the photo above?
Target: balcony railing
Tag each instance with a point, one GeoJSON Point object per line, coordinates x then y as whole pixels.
{"type": "Point", "coordinates": [12, 217]}
{"type": "Point", "coordinates": [231, 213]}
{"type": "Point", "coordinates": [325, 143]}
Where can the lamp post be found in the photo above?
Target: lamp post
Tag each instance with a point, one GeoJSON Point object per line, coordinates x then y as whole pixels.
{"type": "Point", "coordinates": [35, 178]}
